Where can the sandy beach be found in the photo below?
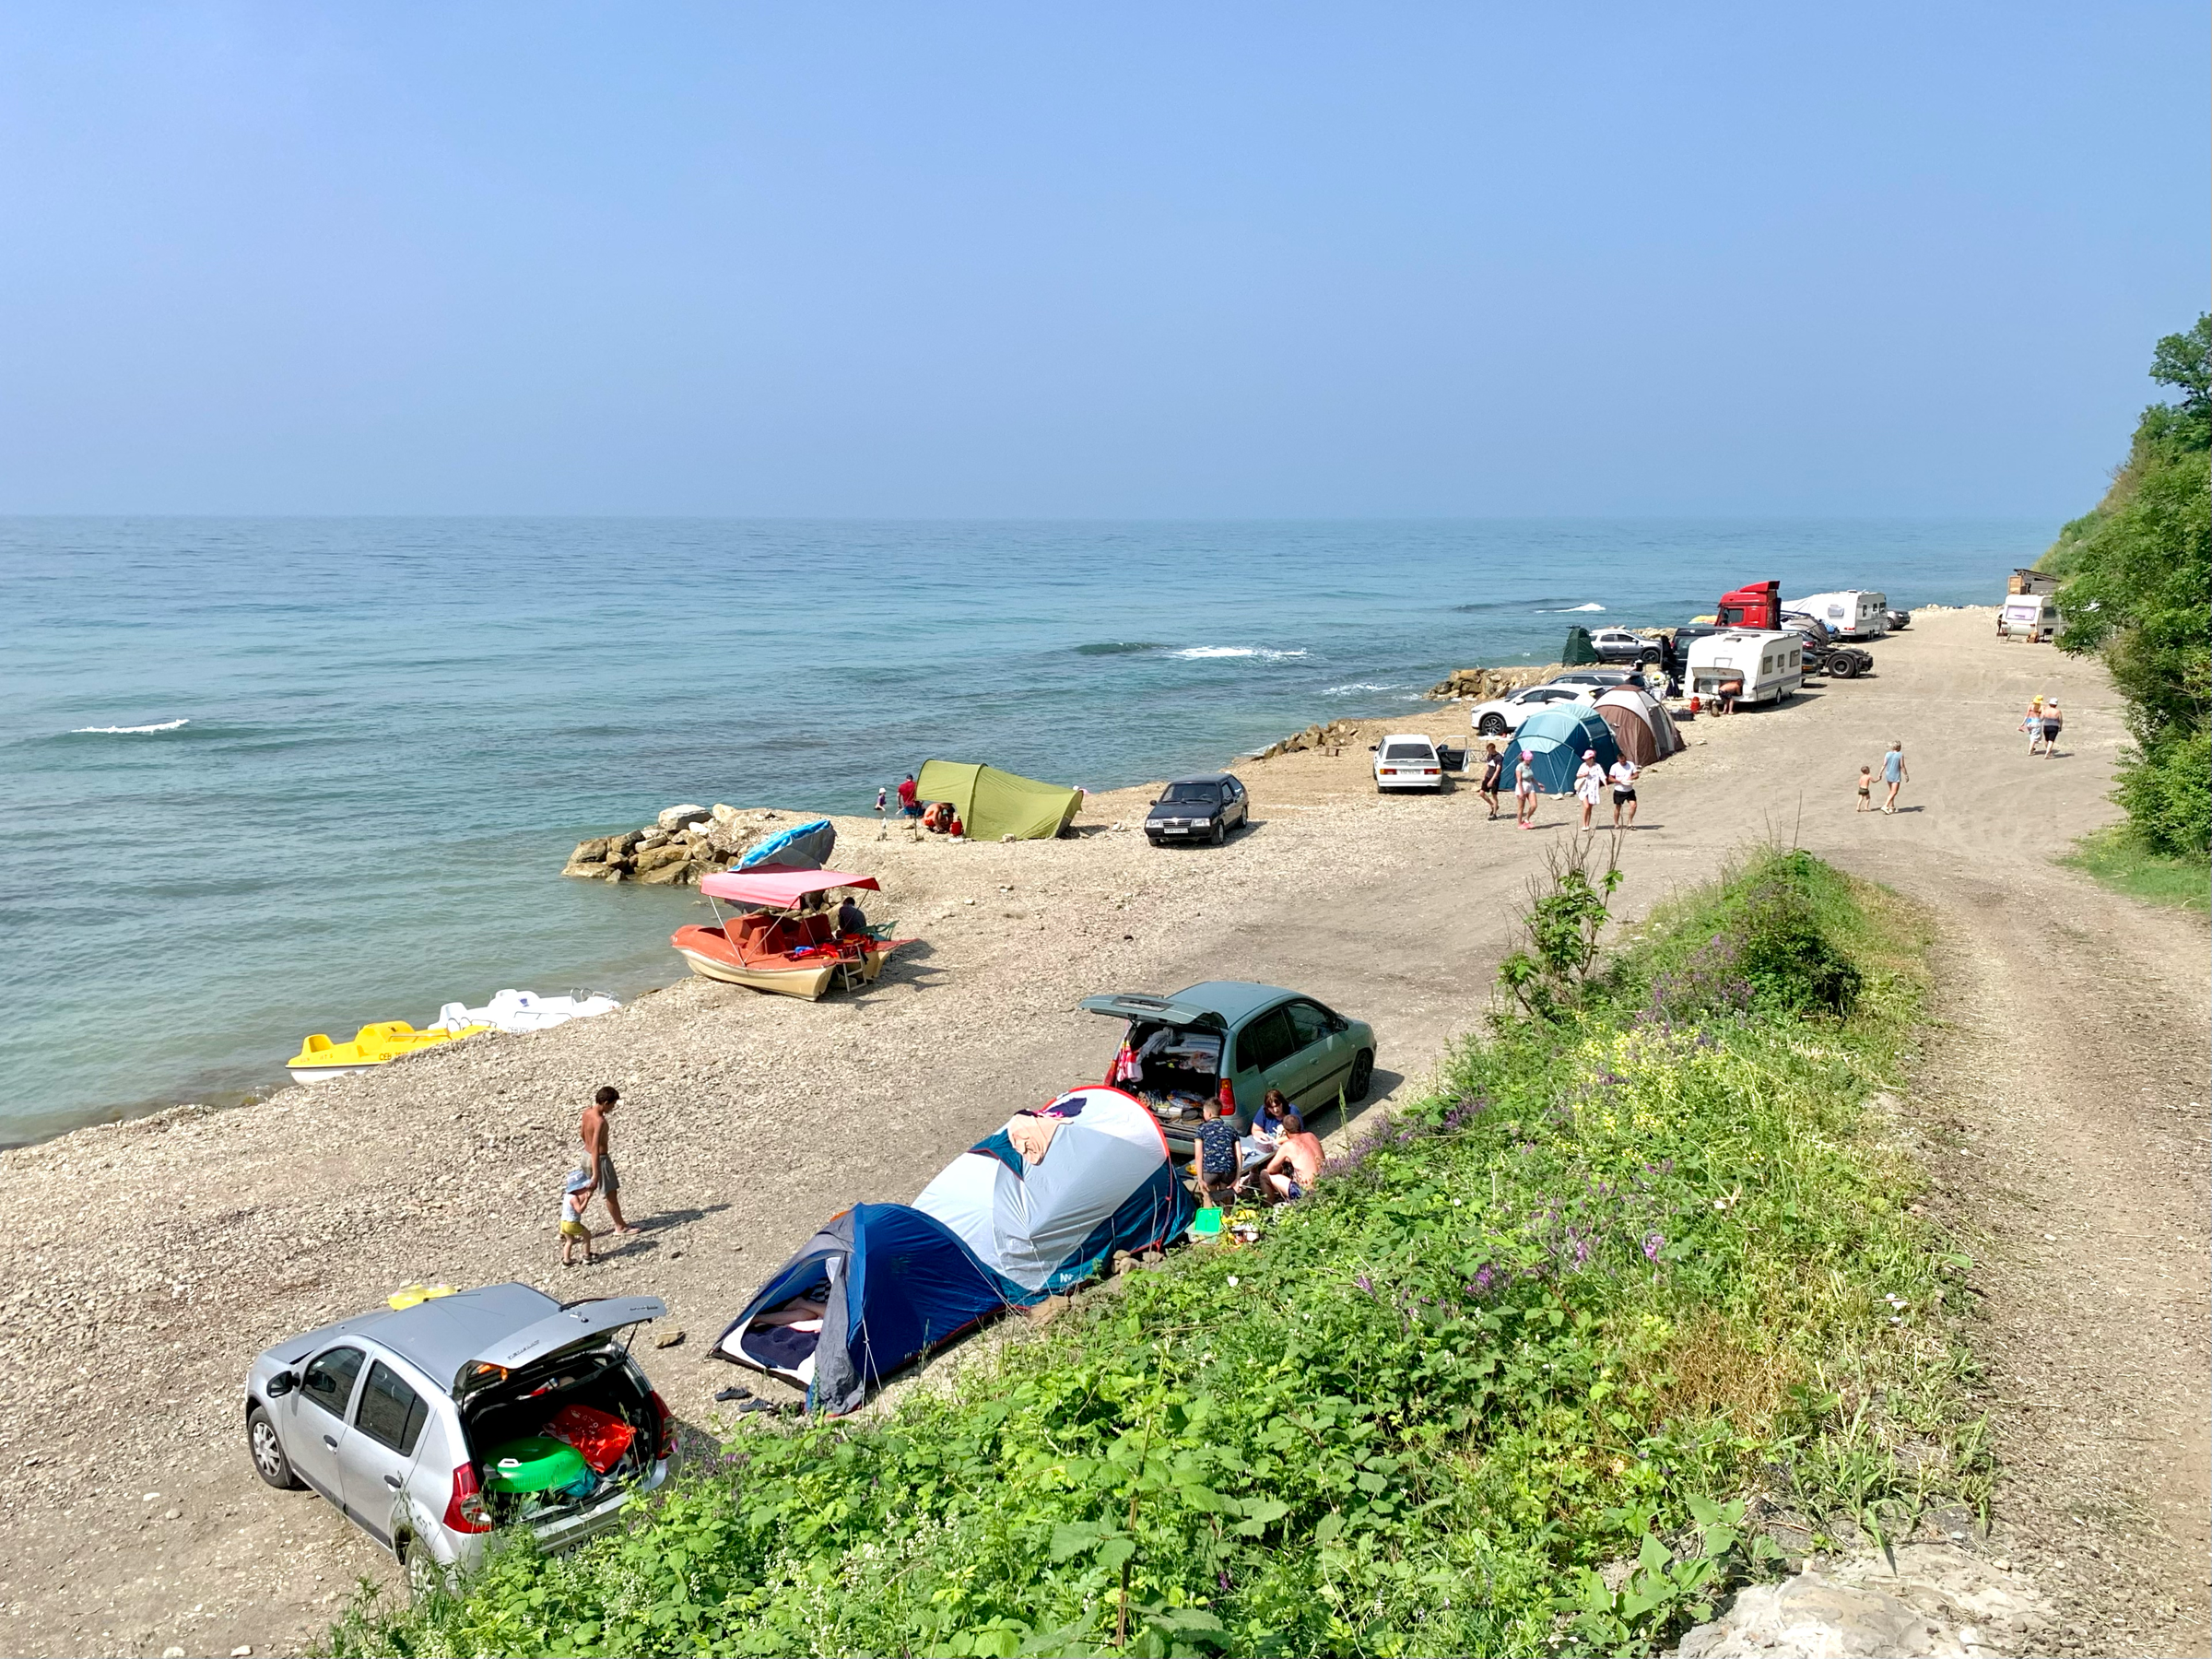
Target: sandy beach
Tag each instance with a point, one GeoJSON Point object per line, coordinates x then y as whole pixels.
{"type": "Point", "coordinates": [155, 1258]}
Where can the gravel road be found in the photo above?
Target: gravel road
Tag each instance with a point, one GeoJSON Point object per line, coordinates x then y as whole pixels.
{"type": "Point", "coordinates": [2068, 1085]}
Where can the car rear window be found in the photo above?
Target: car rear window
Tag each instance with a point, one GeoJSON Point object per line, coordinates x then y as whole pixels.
{"type": "Point", "coordinates": [391, 1413]}
{"type": "Point", "coordinates": [1409, 751]}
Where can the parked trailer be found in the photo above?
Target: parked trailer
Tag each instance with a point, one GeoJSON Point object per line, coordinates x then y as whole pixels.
{"type": "Point", "coordinates": [1854, 613]}
{"type": "Point", "coordinates": [1771, 664]}
{"type": "Point", "coordinates": [2030, 617]}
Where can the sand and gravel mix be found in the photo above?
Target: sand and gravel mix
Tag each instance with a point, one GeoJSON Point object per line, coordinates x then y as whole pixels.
{"type": "Point", "coordinates": [152, 1260]}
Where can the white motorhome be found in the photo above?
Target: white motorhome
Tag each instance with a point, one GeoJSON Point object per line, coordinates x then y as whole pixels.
{"type": "Point", "coordinates": [2030, 617]}
{"type": "Point", "coordinates": [1854, 614]}
{"type": "Point", "coordinates": [1770, 665]}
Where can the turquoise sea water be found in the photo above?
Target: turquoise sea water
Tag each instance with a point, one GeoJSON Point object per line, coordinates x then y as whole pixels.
{"type": "Point", "coordinates": [266, 777]}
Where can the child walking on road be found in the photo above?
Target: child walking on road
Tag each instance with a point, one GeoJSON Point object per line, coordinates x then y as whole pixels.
{"type": "Point", "coordinates": [1866, 789]}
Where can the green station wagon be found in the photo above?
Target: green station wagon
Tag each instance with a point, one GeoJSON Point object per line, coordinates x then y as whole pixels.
{"type": "Point", "coordinates": [1233, 1040]}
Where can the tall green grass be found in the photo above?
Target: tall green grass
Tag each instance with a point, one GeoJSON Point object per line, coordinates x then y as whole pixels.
{"type": "Point", "coordinates": [1633, 1276]}
{"type": "Point", "coordinates": [2114, 858]}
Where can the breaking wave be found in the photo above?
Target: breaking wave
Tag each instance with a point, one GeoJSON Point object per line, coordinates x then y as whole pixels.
{"type": "Point", "coordinates": [1356, 686]}
{"type": "Point", "coordinates": [165, 725]}
{"type": "Point", "coordinates": [1591, 606]}
{"type": "Point", "coordinates": [1235, 651]}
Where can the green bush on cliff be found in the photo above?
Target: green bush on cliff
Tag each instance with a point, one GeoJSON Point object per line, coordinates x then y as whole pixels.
{"type": "Point", "coordinates": [1630, 1265]}
{"type": "Point", "coordinates": [2138, 589]}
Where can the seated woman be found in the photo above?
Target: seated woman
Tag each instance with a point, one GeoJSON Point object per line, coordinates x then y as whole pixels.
{"type": "Point", "coordinates": [1257, 1148]}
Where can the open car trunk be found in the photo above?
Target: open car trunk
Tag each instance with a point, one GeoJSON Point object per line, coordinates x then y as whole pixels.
{"type": "Point", "coordinates": [588, 1395]}
{"type": "Point", "coordinates": [1170, 1056]}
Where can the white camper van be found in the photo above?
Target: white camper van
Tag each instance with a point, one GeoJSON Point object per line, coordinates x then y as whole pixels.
{"type": "Point", "coordinates": [2030, 617]}
{"type": "Point", "coordinates": [1771, 665]}
{"type": "Point", "coordinates": [1855, 614]}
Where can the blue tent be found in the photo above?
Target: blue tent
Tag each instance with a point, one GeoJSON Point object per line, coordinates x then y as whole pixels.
{"type": "Point", "coordinates": [1554, 739]}
{"type": "Point", "coordinates": [875, 1289]}
{"type": "Point", "coordinates": [803, 847]}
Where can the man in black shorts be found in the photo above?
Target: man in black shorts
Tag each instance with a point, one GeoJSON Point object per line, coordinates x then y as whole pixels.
{"type": "Point", "coordinates": [1623, 776]}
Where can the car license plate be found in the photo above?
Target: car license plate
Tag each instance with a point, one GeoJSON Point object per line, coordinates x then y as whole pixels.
{"type": "Point", "coordinates": [1176, 829]}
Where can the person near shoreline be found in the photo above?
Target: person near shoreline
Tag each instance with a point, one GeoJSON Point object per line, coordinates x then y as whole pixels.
{"type": "Point", "coordinates": [1895, 775]}
{"type": "Point", "coordinates": [2032, 722]}
{"type": "Point", "coordinates": [2053, 723]}
{"type": "Point", "coordinates": [1624, 775]}
{"type": "Point", "coordinates": [1493, 775]}
{"type": "Point", "coordinates": [1866, 789]}
{"type": "Point", "coordinates": [596, 1131]}
{"type": "Point", "coordinates": [1589, 784]}
{"type": "Point", "coordinates": [1524, 792]}
{"type": "Point", "coordinates": [576, 1198]}
{"type": "Point", "coordinates": [1296, 1165]}
{"type": "Point", "coordinates": [910, 805]}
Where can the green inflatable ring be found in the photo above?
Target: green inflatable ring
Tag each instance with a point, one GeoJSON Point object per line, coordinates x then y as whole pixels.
{"type": "Point", "coordinates": [537, 1464]}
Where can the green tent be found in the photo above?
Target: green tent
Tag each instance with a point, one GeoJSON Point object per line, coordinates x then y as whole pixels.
{"type": "Point", "coordinates": [993, 804]}
{"type": "Point", "coordinates": [1579, 649]}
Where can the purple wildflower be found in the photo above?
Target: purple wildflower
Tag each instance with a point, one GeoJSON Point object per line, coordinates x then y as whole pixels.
{"type": "Point", "coordinates": [1652, 1244]}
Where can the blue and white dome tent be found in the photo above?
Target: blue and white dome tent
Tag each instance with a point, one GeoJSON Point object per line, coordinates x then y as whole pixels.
{"type": "Point", "coordinates": [1033, 1210]}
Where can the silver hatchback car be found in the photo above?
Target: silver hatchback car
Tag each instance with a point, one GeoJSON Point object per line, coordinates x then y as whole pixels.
{"type": "Point", "coordinates": [398, 1418]}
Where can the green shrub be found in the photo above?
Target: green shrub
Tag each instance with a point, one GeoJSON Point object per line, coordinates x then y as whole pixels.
{"type": "Point", "coordinates": [1615, 1275]}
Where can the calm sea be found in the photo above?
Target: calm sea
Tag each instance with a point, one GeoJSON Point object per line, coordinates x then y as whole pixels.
{"type": "Point", "coordinates": [267, 777]}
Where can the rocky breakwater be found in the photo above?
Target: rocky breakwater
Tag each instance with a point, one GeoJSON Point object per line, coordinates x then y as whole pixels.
{"type": "Point", "coordinates": [679, 847]}
{"type": "Point", "coordinates": [1479, 684]}
{"type": "Point", "coordinates": [1335, 735]}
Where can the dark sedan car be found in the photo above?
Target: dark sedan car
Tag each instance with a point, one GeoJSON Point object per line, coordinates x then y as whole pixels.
{"type": "Point", "coordinates": [1195, 808]}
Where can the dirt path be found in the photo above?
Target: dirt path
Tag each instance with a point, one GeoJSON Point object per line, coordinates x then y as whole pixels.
{"type": "Point", "coordinates": [156, 1259]}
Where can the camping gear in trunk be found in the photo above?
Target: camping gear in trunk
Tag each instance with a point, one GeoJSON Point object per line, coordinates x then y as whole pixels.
{"type": "Point", "coordinates": [538, 1463]}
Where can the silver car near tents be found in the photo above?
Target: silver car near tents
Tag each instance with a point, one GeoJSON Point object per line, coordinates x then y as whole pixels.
{"type": "Point", "coordinates": [432, 1426]}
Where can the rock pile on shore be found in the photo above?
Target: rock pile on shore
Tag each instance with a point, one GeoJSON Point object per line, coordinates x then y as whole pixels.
{"type": "Point", "coordinates": [1482, 684]}
{"type": "Point", "coordinates": [1315, 736]}
{"type": "Point", "coordinates": [679, 847]}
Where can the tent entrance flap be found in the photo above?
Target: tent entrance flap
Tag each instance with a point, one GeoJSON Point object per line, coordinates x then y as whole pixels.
{"type": "Point", "coordinates": [993, 804]}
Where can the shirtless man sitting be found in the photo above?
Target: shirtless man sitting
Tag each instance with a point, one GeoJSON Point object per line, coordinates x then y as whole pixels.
{"type": "Point", "coordinates": [1296, 1165]}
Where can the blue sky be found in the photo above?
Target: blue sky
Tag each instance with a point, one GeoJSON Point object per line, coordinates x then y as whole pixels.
{"type": "Point", "coordinates": [1257, 260]}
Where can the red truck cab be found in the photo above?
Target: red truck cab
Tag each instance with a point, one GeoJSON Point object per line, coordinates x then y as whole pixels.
{"type": "Point", "coordinates": [1757, 605]}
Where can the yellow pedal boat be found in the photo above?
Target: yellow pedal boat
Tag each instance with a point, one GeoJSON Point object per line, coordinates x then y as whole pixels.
{"type": "Point", "coordinates": [320, 1059]}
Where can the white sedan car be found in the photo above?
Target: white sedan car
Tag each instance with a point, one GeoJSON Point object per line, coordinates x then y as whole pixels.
{"type": "Point", "coordinates": [1407, 760]}
{"type": "Point", "coordinates": [1504, 714]}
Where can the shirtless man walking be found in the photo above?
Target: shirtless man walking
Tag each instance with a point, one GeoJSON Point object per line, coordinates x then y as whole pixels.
{"type": "Point", "coordinates": [600, 1160]}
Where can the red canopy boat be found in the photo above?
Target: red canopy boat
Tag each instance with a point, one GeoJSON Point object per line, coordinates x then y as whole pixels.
{"type": "Point", "coordinates": [782, 939]}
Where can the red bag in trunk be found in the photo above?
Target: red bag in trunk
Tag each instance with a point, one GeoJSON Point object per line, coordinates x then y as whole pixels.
{"type": "Point", "coordinates": [600, 1438]}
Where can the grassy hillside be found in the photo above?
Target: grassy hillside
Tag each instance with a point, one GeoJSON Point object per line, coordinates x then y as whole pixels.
{"type": "Point", "coordinates": [1637, 1281]}
{"type": "Point", "coordinates": [2138, 590]}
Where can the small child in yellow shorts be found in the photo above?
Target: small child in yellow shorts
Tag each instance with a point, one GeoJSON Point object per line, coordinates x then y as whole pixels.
{"type": "Point", "coordinates": [576, 1197]}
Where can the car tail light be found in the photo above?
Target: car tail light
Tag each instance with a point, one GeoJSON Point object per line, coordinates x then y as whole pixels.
{"type": "Point", "coordinates": [664, 1434]}
{"type": "Point", "coordinates": [1429, 772]}
{"type": "Point", "coordinates": [1390, 772]}
{"type": "Point", "coordinates": [464, 1510]}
